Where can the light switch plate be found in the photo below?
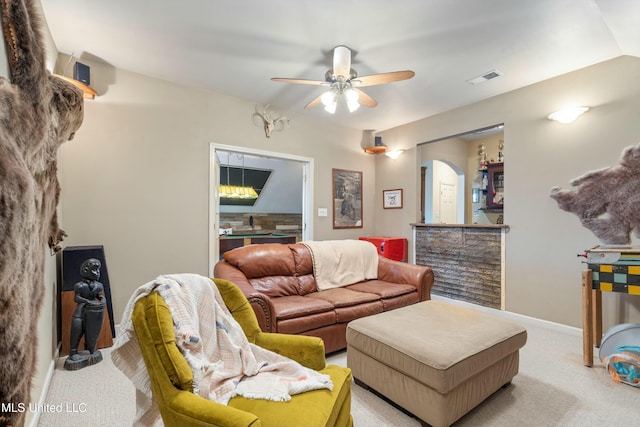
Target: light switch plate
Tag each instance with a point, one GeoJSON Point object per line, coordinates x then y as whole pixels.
{"type": "Point", "coordinates": [322, 212]}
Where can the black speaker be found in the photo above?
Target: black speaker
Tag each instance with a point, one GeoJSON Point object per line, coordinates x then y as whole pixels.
{"type": "Point", "coordinates": [82, 73]}
{"type": "Point", "coordinates": [72, 259]}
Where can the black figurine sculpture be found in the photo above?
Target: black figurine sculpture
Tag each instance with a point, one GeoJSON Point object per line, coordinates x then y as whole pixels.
{"type": "Point", "coordinates": [87, 317]}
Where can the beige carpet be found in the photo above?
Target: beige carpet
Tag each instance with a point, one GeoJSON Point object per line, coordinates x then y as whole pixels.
{"type": "Point", "coordinates": [553, 388]}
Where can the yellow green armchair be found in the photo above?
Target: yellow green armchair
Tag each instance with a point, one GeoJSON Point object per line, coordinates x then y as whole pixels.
{"type": "Point", "coordinates": [171, 377]}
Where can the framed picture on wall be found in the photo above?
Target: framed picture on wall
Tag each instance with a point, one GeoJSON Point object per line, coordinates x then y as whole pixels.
{"type": "Point", "coordinates": [392, 199]}
{"type": "Point", "coordinates": [347, 198]}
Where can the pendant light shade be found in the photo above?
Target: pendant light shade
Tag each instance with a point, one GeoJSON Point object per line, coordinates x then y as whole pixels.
{"type": "Point", "coordinates": [229, 191]}
{"type": "Point", "coordinates": [237, 192]}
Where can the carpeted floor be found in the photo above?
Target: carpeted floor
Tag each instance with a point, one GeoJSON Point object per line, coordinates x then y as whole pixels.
{"type": "Point", "coordinates": [553, 388]}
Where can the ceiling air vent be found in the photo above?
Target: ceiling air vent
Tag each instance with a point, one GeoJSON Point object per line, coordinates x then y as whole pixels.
{"type": "Point", "coordinates": [484, 77]}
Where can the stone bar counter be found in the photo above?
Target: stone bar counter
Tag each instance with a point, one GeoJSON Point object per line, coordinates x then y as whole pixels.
{"type": "Point", "coordinates": [467, 260]}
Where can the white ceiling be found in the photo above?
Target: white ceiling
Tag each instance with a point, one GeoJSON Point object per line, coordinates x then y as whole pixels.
{"type": "Point", "coordinates": [235, 47]}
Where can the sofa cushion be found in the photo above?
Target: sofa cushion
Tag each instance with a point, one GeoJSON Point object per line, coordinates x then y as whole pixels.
{"type": "Point", "coordinates": [341, 297]}
{"type": "Point", "coordinates": [310, 322]}
{"type": "Point", "coordinates": [307, 284]}
{"type": "Point", "coordinates": [347, 314]}
{"type": "Point", "coordinates": [296, 306]}
{"type": "Point", "coordinates": [312, 408]}
{"type": "Point", "coordinates": [276, 286]}
{"type": "Point", "coordinates": [382, 289]}
{"type": "Point", "coordinates": [400, 301]}
{"type": "Point", "coordinates": [302, 259]}
{"type": "Point", "coordinates": [268, 259]}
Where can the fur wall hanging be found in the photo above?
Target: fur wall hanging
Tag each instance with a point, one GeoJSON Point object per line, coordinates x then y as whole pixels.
{"type": "Point", "coordinates": [607, 200]}
{"type": "Point", "coordinates": [38, 112]}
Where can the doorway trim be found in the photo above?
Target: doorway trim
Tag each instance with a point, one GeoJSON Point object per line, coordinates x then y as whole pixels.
{"type": "Point", "coordinates": [214, 199]}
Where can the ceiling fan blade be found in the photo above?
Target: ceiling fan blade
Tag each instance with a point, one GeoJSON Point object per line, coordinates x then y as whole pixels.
{"type": "Point", "coordinates": [365, 99]}
{"type": "Point", "coordinates": [342, 61]}
{"type": "Point", "coordinates": [379, 79]}
{"type": "Point", "coordinates": [299, 81]}
{"type": "Point", "coordinates": [313, 103]}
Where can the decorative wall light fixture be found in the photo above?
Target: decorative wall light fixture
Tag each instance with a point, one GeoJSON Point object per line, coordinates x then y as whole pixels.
{"type": "Point", "coordinates": [568, 115]}
{"type": "Point", "coordinates": [377, 148]}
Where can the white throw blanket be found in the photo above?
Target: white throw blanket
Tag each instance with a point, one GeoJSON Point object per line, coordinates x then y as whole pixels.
{"type": "Point", "coordinates": [339, 263]}
{"type": "Point", "coordinates": [223, 362]}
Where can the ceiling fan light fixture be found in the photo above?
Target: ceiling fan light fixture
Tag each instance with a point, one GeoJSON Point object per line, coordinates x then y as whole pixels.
{"type": "Point", "coordinates": [342, 79]}
{"type": "Point", "coordinates": [352, 100]}
{"type": "Point", "coordinates": [331, 108]}
{"type": "Point", "coordinates": [329, 97]}
{"type": "Point", "coordinates": [341, 61]}
{"type": "Point", "coordinates": [329, 101]}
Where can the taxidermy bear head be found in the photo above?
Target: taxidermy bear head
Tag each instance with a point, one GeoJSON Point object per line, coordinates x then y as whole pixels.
{"type": "Point", "coordinates": [606, 201]}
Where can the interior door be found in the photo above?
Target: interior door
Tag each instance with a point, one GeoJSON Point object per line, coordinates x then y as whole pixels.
{"type": "Point", "coordinates": [448, 203]}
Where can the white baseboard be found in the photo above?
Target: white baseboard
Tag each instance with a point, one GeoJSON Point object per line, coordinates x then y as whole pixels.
{"type": "Point", "coordinates": [566, 328]}
{"type": "Point", "coordinates": [45, 389]}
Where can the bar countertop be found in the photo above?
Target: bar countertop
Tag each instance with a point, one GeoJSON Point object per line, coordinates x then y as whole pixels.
{"type": "Point", "coordinates": [461, 225]}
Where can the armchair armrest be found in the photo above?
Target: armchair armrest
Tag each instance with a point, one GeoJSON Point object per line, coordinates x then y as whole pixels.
{"type": "Point", "coordinates": [186, 409]}
{"type": "Point", "coordinates": [261, 303]}
{"type": "Point", "coordinates": [306, 350]}
{"type": "Point", "coordinates": [419, 276]}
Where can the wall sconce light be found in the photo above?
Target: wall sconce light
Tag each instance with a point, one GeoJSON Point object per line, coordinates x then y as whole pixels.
{"type": "Point", "coordinates": [378, 147]}
{"type": "Point", "coordinates": [567, 115]}
{"type": "Point", "coordinates": [394, 154]}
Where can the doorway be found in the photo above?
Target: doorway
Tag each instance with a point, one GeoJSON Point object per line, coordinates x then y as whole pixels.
{"type": "Point", "coordinates": [220, 151]}
{"type": "Point", "coordinates": [442, 194]}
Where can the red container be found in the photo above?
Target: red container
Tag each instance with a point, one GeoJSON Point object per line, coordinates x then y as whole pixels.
{"type": "Point", "coordinates": [394, 248]}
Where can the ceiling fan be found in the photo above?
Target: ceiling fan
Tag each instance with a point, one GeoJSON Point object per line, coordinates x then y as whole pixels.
{"type": "Point", "coordinates": [343, 80]}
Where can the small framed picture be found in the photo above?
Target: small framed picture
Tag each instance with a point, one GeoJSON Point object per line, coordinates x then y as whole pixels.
{"type": "Point", "coordinates": [392, 199]}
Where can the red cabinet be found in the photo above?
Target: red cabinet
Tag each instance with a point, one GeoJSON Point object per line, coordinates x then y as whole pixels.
{"type": "Point", "coordinates": [394, 248]}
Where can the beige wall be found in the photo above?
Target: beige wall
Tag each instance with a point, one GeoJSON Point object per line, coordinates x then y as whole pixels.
{"type": "Point", "coordinates": [135, 178]}
{"type": "Point", "coordinates": [542, 271]}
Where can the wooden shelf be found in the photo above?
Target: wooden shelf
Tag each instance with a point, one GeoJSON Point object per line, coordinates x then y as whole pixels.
{"type": "Point", "coordinates": [376, 149]}
{"type": "Point", "coordinates": [88, 91]}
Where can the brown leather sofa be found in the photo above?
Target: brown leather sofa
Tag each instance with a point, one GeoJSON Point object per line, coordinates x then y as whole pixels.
{"type": "Point", "coordinates": [278, 281]}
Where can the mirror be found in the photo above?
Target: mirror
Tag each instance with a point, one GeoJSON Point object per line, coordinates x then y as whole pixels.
{"type": "Point", "coordinates": [462, 180]}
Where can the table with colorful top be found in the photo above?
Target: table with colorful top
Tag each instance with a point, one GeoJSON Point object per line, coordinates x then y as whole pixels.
{"type": "Point", "coordinates": [611, 268]}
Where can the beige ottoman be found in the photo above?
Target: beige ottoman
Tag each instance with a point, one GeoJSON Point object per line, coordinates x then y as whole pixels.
{"type": "Point", "coordinates": [436, 360]}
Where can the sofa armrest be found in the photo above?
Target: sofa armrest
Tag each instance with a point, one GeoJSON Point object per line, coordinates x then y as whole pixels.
{"type": "Point", "coordinates": [261, 303]}
{"type": "Point", "coordinates": [188, 409]}
{"type": "Point", "coordinates": [419, 276]}
{"type": "Point", "coordinates": [306, 350]}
